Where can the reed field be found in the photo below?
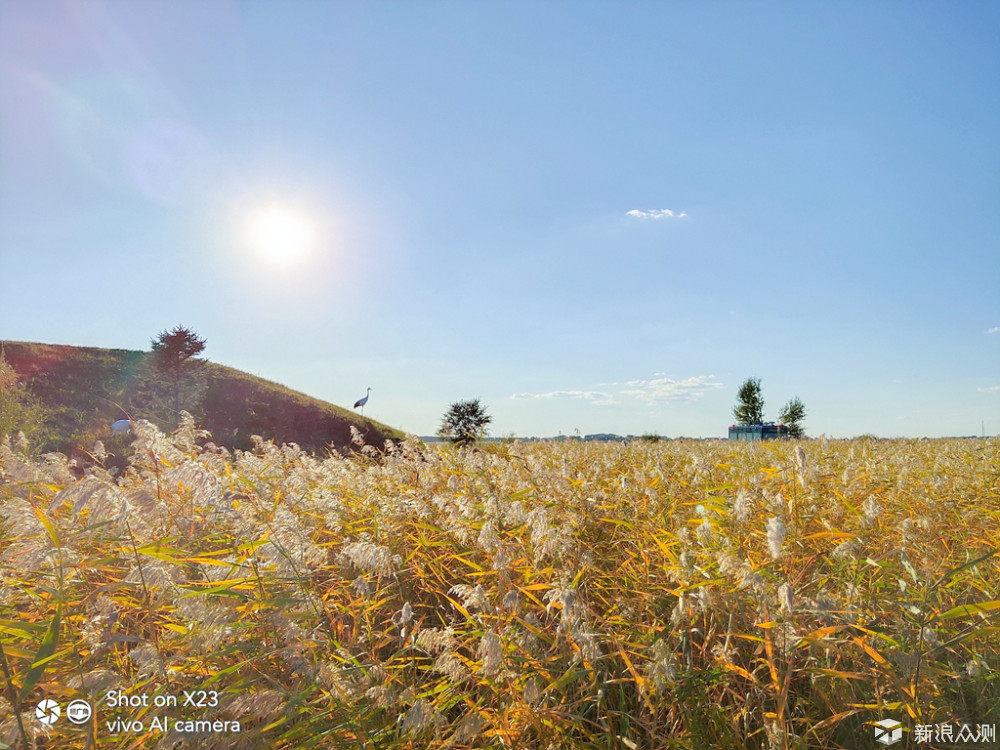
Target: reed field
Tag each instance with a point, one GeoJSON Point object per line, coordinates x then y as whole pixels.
{"type": "Point", "coordinates": [671, 594]}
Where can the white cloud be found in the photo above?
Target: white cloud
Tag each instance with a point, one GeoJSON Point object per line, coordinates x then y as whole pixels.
{"type": "Point", "coordinates": [667, 390]}
{"type": "Point", "coordinates": [656, 213]}
{"type": "Point", "coordinates": [654, 391]}
{"type": "Point", "coordinates": [994, 329]}
{"type": "Point", "coordinates": [989, 388]}
{"type": "Point", "coordinates": [595, 397]}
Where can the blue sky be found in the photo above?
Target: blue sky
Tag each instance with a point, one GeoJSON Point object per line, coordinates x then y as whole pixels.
{"type": "Point", "coordinates": [593, 216]}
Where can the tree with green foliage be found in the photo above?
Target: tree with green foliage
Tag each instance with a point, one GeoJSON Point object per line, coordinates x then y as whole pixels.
{"type": "Point", "coordinates": [749, 408]}
{"type": "Point", "coordinates": [19, 410]}
{"type": "Point", "coordinates": [792, 414]}
{"type": "Point", "coordinates": [465, 422]}
{"type": "Point", "coordinates": [172, 352]}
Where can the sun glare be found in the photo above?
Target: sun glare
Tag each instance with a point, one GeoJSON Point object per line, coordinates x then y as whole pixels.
{"type": "Point", "coordinates": [280, 235]}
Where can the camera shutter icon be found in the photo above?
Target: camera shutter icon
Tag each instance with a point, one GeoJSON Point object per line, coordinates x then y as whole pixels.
{"type": "Point", "coordinates": [47, 712]}
{"type": "Point", "coordinates": [888, 731]}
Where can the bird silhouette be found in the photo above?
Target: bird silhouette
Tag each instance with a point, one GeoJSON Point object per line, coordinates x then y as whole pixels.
{"type": "Point", "coordinates": [362, 401]}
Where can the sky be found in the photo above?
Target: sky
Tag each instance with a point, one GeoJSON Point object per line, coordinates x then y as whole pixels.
{"type": "Point", "coordinates": [591, 216]}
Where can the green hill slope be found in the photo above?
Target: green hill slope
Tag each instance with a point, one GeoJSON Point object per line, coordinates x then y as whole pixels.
{"type": "Point", "coordinates": [84, 389]}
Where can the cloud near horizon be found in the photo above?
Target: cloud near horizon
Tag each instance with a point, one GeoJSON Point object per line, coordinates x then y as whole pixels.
{"type": "Point", "coordinates": [654, 391]}
{"type": "Point", "coordinates": [994, 329]}
{"type": "Point", "coordinates": [989, 389]}
{"type": "Point", "coordinates": [667, 390]}
{"type": "Point", "coordinates": [656, 214]}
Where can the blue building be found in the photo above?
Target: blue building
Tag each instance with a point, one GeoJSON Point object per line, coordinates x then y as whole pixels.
{"type": "Point", "coordinates": [756, 432]}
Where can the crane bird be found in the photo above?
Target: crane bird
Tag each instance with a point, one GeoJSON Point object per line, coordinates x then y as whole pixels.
{"type": "Point", "coordinates": [362, 401]}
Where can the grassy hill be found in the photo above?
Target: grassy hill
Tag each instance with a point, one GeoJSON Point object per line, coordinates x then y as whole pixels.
{"type": "Point", "coordinates": [83, 390]}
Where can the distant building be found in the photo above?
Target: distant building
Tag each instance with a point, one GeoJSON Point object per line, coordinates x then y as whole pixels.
{"type": "Point", "coordinates": [756, 432]}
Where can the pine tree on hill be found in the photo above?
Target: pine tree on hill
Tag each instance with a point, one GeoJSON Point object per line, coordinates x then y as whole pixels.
{"type": "Point", "coordinates": [172, 352]}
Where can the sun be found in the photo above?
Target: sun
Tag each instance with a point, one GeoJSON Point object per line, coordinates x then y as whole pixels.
{"type": "Point", "coordinates": [280, 235]}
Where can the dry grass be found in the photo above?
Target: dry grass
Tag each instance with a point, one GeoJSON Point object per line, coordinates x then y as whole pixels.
{"type": "Point", "coordinates": [656, 595]}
